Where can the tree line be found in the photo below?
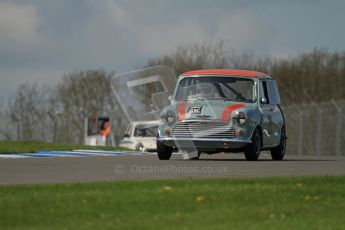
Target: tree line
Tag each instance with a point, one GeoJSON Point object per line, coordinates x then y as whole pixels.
{"type": "Point", "coordinates": [309, 77]}
{"type": "Point", "coordinates": [58, 113]}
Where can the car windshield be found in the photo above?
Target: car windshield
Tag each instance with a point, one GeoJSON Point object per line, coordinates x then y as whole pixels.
{"type": "Point", "coordinates": [146, 130]}
{"type": "Point", "coordinates": [211, 87]}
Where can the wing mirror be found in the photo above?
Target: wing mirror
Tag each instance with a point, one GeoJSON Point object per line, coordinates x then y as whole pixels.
{"type": "Point", "coordinates": [263, 100]}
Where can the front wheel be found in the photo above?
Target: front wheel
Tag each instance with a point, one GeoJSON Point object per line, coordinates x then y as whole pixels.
{"type": "Point", "coordinates": [278, 153]}
{"type": "Point", "coordinates": [252, 150]}
{"type": "Point", "coordinates": [164, 152]}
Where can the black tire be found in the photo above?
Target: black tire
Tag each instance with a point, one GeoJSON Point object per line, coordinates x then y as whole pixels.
{"type": "Point", "coordinates": [252, 150]}
{"type": "Point", "coordinates": [278, 152]}
{"type": "Point", "coordinates": [164, 152]}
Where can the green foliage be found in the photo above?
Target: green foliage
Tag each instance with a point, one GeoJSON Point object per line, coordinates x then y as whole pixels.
{"type": "Point", "coordinates": [313, 77]}
{"type": "Point", "coordinates": [255, 203]}
{"type": "Point", "coordinates": [58, 114]}
{"type": "Point", "coordinates": [82, 94]}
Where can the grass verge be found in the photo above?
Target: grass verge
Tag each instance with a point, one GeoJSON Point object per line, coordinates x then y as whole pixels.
{"type": "Point", "coordinates": [34, 146]}
{"type": "Point", "coordinates": [257, 203]}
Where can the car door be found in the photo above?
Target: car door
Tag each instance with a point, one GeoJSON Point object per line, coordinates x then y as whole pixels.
{"type": "Point", "coordinates": [277, 119]}
{"type": "Point", "coordinates": [266, 109]}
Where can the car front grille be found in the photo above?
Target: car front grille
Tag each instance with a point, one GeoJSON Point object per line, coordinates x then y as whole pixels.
{"type": "Point", "coordinates": [197, 129]}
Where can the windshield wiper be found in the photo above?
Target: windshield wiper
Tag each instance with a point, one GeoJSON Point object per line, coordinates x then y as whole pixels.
{"type": "Point", "coordinates": [242, 100]}
{"type": "Point", "coordinates": [198, 99]}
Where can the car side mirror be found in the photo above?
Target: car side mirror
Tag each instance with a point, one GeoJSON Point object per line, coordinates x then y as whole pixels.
{"type": "Point", "coordinates": [170, 98]}
{"type": "Point", "coordinates": [263, 100]}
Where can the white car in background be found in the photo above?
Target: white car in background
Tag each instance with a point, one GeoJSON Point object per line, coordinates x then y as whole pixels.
{"type": "Point", "coordinates": [141, 136]}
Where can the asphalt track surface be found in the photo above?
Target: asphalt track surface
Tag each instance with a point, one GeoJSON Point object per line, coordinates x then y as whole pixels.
{"type": "Point", "coordinates": [142, 167]}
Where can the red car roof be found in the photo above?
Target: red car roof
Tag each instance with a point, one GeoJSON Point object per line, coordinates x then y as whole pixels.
{"type": "Point", "coordinates": [242, 73]}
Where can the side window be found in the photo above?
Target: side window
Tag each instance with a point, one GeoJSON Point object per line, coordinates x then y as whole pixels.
{"type": "Point", "coordinates": [264, 92]}
{"type": "Point", "coordinates": [273, 92]}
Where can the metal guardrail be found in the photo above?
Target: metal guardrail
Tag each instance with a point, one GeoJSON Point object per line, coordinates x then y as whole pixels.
{"type": "Point", "coordinates": [316, 128]}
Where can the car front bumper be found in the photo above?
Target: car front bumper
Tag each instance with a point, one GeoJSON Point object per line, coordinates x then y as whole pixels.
{"type": "Point", "coordinates": [205, 143]}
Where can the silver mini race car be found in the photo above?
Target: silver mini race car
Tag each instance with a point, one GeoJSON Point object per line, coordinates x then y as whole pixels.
{"type": "Point", "coordinates": [223, 110]}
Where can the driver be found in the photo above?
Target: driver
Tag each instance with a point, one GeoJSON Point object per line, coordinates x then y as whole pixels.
{"type": "Point", "coordinates": [205, 91]}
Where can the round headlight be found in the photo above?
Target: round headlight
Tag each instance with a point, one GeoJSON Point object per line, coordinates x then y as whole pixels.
{"type": "Point", "coordinates": [240, 117]}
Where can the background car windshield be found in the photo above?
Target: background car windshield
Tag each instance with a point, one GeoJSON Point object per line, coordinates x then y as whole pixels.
{"type": "Point", "coordinates": [145, 131]}
{"type": "Point", "coordinates": [230, 88]}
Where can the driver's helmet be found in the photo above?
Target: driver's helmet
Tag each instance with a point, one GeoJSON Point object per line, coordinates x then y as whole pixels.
{"type": "Point", "coordinates": [204, 90]}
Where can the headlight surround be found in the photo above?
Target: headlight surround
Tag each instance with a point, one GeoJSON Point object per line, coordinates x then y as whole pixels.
{"type": "Point", "coordinates": [240, 117]}
{"type": "Point", "coordinates": [168, 117]}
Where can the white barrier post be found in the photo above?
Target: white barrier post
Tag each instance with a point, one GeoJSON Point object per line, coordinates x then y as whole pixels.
{"type": "Point", "coordinates": [318, 130]}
